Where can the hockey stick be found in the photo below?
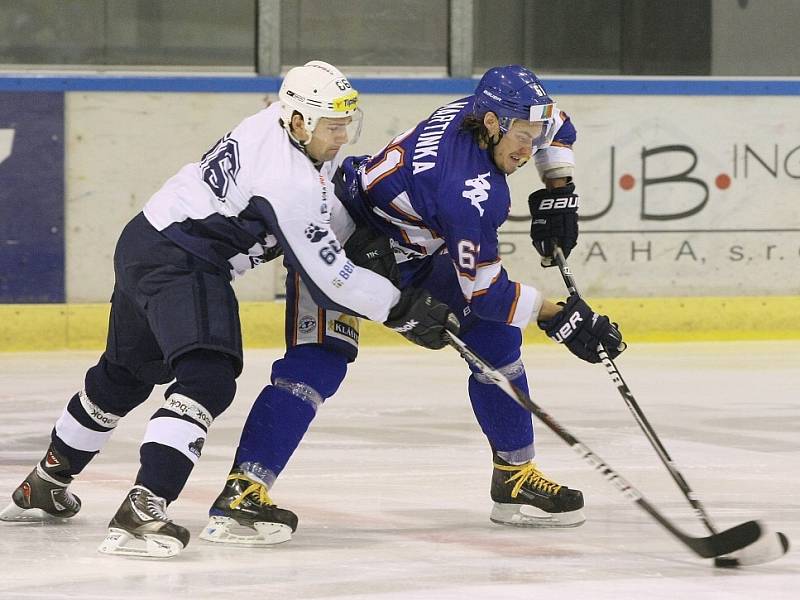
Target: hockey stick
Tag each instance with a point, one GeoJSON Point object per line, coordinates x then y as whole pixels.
{"type": "Point", "coordinates": [633, 406]}
{"type": "Point", "coordinates": [718, 544]}
{"type": "Point", "coordinates": [644, 424]}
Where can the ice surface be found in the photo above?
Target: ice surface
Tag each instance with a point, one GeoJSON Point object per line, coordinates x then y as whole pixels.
{"type": "Point", "coordinates": [391, 483]}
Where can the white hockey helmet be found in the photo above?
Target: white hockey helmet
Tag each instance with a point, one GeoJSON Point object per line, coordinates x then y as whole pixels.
{"type": "Point", "coordinates": [317, 90]}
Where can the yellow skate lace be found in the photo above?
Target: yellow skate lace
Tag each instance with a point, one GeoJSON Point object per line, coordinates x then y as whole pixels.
{"type": "Point", "coordinates": [259, 488]}
{"type": "Point", "coordinates": [528, 473]}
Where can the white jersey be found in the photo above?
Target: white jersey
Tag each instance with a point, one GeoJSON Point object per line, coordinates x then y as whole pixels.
{"type": "Point", "coordinates": [254, 190]}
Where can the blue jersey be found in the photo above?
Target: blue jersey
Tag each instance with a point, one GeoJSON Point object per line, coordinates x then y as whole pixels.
{"type": "Point", "coordinates": [433, 189]}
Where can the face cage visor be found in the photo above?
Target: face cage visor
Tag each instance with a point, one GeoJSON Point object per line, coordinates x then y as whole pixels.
{"type": "Point", "coordinates": [542, 117]}
{"type": "Point", "coordinates": [335, 126]}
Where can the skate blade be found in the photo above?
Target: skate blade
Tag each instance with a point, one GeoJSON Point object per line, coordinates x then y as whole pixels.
{"type": "Point", "coordinates": [523, 515]}
{"type": "Point", "coordinates": [226, 530]}
{"type": "Point", "coordinates": [16, 514]}
{"type": "Point", "coordinates": [121, 543]}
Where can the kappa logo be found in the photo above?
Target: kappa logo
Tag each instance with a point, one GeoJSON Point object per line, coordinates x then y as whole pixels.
{"type": "Point", "coordinates": [479, 192]}
{"type": "Point", "coordinates": [315, 233]}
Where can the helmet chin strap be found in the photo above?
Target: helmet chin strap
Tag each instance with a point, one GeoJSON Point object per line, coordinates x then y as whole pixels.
{"type": "Point", "coordinates": [491, 143]}
{"type": "Point", "coordinates": [300, 145]}
{"type": "Point", "coordinates": [297, 142]}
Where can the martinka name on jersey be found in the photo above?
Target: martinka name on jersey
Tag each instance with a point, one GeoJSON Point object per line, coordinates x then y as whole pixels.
{"type": "Point", "coordinates": [427, 146]}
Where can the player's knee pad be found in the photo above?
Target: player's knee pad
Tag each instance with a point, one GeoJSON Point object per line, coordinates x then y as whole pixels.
{"type": "Point", "coordinates": [83, 429]}
{"type": "Point", "coordinates": [92, 414]}
{"type": "Point", "coordinates": [499, 344]}
{"type": "Point", "coordinates": [204, 387]}
{"type": "Point", "coordinates": [114, 389]}
{"type": "Point", "coordinates": [207, 377]}
{"type": "Point", "coordinates": [514, 372]}
{"type": "Point", "coordinates": [313, 373]}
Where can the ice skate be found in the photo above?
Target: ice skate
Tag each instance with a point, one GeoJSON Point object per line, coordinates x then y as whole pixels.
{"type": "Point", "coordinates": [43, 495]}
{"type": "Point", "coordinates": [244, 514]}
{"type": "Point", "coordinates": [524, 497]}
{"type": "Point", "coordinates": [141, 528]}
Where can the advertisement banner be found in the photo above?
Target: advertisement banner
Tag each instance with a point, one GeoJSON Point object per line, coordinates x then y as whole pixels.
{"type": "Point", "coordinates": [31, 197]}
{"type": "Point", "coordinates": [680, 196]}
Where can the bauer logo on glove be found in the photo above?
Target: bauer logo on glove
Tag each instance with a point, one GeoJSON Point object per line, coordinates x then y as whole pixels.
{"type": "Point", "coordinates": [554, 221]}
{"type": "Point", "coordinates": [570, 327]}
{"type": "Point", "coordinates": [582, 330]}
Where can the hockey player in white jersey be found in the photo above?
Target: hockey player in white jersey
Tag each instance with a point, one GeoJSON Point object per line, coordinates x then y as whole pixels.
{"type": "Point", "coordinates": [262, 190]}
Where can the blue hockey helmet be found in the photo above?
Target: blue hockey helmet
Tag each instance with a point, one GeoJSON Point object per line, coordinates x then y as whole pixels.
{"type": "Point", "coordinates": [514, 92]}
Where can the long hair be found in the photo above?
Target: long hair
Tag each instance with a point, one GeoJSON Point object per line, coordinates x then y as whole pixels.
{"type": "Point", "coordinates": [475, 127]}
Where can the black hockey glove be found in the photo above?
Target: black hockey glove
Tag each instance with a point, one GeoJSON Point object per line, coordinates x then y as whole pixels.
{"type": "Point", "coordinates": [422, 319]}
{"type": "Point", "coordinates": [370, 249]}
{"type": "Point", "coordinates": [272, 253]}
{"type": "Point", "coordinates": [554, 220]}
{"type": "Point", "coordinates": [581, 330]}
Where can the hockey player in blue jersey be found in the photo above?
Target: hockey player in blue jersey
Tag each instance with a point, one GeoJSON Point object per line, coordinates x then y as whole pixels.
{"type": "Point", "coordinates": [263, 189]}
{"type": "Point", "coordinates": [439, 192]}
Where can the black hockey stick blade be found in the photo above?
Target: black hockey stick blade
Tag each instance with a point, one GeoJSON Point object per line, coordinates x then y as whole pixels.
{"type": "Point", "coordinates": [770, 546]}
{"type": "Point", "coordinates": [767, 546]}
{"type": "Point", "coordinates": [726, 542]}
{"type": "Point", "coordinates": [751, 540]}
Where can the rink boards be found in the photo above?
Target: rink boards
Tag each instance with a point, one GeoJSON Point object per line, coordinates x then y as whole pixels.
{"type": "Point", "coordinates": [26, 327]}
{"type": "Point", "coordinates": [690, 226]}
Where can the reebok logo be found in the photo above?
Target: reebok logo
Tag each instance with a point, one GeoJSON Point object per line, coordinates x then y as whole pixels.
{"type": "Point", "coordinates": [176, 405]}
{"type": "Point", "coordinates": [99, 416]}
{"type": "Point", "coordinates": [407, 326]}
{"type": "Point", "coordinates": [201, 417]}
{"type": "Point", "coordinates": [188, 407]}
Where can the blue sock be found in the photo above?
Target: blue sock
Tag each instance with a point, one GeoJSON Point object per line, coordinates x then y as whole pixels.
{"type": "Point", "coordinates": [508, 426]}
{"type": "Point", "coordinates": [280, 416]}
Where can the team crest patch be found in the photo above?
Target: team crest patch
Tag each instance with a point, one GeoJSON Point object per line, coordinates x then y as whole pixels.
{"type": "Point", "coordinates": [307, 324]}
{"type": "Point", "coordinates": [315, 233]}
{"type": "Point", "coordinates": [196, 447]}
